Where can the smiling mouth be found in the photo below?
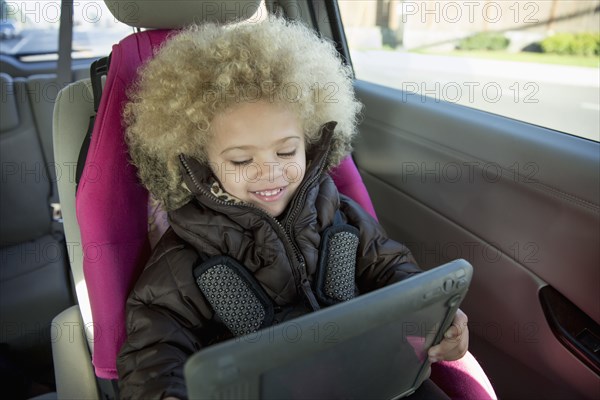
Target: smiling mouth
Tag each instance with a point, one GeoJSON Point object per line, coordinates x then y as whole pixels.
{"type": "Point", "coordinates": [269, 193]}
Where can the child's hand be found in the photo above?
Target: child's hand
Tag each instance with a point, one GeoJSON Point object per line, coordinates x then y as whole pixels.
{"type": "Point", "coordinates": [455, 342]}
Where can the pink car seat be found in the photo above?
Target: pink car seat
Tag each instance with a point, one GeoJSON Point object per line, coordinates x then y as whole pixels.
{"type": "Point", "coordinates": [113, 218]}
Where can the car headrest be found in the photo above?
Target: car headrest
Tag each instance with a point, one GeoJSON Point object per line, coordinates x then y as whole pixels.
{"type": "Point", "coordinates": [8, 105]}
{"type": "Point", "coordinates": [175, 14]}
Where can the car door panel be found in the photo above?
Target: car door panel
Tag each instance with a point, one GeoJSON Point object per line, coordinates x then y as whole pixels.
{"type": "Point", "coordinates": [518, 201]}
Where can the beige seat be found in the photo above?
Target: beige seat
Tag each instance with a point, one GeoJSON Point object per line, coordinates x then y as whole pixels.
{"type": "Point", "coordinates": [74, 373]}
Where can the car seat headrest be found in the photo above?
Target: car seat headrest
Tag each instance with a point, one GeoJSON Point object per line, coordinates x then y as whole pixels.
{"type": "Point", "coordinates": [176, 14]}
{"type": "Point", "coordinates": [8, 105]}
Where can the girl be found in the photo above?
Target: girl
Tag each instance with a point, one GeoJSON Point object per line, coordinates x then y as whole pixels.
{"type": "Point", "coordinates": [233, 129]}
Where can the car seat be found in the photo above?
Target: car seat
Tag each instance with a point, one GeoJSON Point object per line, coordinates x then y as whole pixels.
{"type": "Point", "coordinates": [112, 206]}
{"type": "Point", "coordinates": [35, 282]}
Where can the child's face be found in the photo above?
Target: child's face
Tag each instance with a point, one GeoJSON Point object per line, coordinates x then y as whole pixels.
{"type": "Point", "coordinates": [258, 154]}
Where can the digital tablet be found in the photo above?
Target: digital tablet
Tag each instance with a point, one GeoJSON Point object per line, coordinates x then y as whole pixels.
{"type": "Point", "coordinates": [373, 346]}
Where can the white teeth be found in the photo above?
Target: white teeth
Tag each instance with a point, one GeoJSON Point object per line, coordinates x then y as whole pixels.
{"type": "Point", "coordinates": [268, 193]}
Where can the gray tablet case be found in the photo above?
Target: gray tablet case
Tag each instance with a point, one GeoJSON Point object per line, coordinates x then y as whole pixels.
{"type": "Point", "coordinates": [373, 346]}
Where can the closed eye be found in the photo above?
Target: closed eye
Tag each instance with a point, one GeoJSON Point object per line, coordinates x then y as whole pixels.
{"type": "Point", "coordinates": [240, 163]}
{"type": "Point", "coordinates": [289, 154]}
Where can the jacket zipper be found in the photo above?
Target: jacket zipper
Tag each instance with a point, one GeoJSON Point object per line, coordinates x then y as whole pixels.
{"type": "Point", "coordinates": [304, 283]}
{"type": "Point", "coordinates": [299, 272]}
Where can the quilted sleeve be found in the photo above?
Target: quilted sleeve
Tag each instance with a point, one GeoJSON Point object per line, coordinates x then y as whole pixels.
{"type": "Point", "coordinates": [151, 361]}
{"type": "Point", "coordinates": [166, 320]}
{"type": "Point", "coordinates": [380, 261]}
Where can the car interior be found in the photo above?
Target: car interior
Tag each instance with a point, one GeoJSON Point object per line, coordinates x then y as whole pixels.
{"type": "Point", "coordinates": [520, 202]}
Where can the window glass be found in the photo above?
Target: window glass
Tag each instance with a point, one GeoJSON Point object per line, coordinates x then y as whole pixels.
{"type": "Point", "coordinates": [29, 29]}
{"type": "Point", "coordinates": [535, 61]}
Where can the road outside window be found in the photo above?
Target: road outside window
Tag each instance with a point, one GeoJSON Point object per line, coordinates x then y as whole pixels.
{"type": "Point", "coordinates": [29, 29]}
{"type": "Point", "coordinates": [534, 61]}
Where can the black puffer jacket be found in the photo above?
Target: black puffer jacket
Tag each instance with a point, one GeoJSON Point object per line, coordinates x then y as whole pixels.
{"type": "Point", "coordinates": [169, 318]}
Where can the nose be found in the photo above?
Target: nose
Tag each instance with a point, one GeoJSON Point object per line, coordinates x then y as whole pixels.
{"type": "Point", "coordinates": [266, 170]}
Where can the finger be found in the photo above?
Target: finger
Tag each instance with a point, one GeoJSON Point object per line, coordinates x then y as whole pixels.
{"type": "Point", "coordinates": [450, 349]}
{"type": "Point", "coordinates": [455, 343]}
{"type": "Point", "coordinates": [459, 324]}
{"type": "Point", "coordinates": [444, 351]}
{"type": "Point", "coordinates": [453, 332]}
{"type": "Point", "coordinates": [439, 352]}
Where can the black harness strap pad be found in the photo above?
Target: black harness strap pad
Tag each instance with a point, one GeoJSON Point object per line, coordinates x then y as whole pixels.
{"type": "Point", "coordinates": [336, 270]}
{"type": "Point", "coordinates": [234, 294]}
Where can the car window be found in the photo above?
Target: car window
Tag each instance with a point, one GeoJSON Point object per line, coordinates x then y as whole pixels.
{"type": "Point", "coordinates": [534, 61]}
{"type": "Point", "coordinates": [29, 29]}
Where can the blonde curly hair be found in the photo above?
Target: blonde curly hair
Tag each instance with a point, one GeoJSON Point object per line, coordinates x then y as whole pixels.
{"type": "Point", "coordinates": [206, 69]}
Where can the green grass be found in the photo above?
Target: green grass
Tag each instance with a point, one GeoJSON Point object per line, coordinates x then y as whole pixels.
{"type": "Point", "coordinates": [576, 61]}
